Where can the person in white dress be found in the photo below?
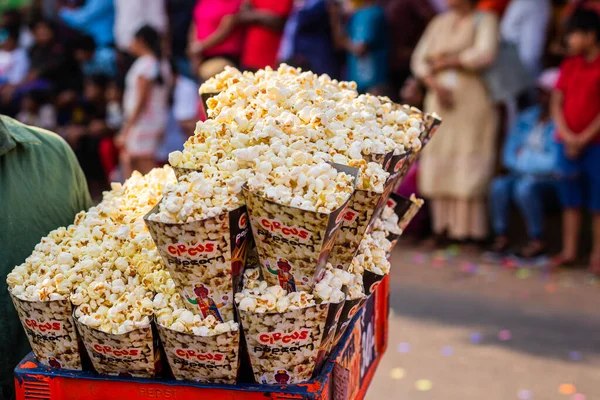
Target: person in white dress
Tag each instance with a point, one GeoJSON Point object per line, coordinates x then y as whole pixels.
{"type": "Point", "coordinates": [145, 103]}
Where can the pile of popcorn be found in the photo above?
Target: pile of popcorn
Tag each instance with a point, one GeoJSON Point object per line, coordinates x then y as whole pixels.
{"type": "Point", "coordinates": [171, 313]}
{"type": "Point", "coordinates": [371, 256]}
{"type": "Point", "coordinates": [201, 194]}
{"type": "Point", "coordinates": [268, 299]}
{"type": "Point", "coordinates": [329, 289]}
{"type": "Point", "coordinates": [388, 222]}
{"type": "Point", "coordinates": [104, 262]}
{"type": "Point", "coordinates": [356, 288]}
{"type": "Point", "coordinates": [255, 114]}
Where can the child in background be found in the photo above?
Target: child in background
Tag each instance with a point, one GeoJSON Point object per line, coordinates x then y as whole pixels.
{"type": "Point", "coordinates": [531, 156]}
{"type": "Point", "coordinates": [576, 111]}
{"type": "Point", "coordinates": [114, 109]}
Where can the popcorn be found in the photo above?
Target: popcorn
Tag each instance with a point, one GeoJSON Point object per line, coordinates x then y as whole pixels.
{"type": "Point", "coordinates": [268, 299]}
{"type": "Point", "coordinates": [200, 195]}
{"type": "Point", "coordinates": [371, 256]}
{"type": "Point", "coordinates": [329, 288]}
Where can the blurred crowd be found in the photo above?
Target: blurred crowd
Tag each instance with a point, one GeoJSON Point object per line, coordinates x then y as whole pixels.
{"type": "Point", "coordinates": [516, 82]}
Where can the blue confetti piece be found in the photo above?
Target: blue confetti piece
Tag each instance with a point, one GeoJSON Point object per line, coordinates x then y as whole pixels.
{"type": "Point", "coordinates": [575, 356]}
{"type": "Point", "coordinates": [403, 348]}
{"type": "Point", "coordinates": [447, 351]}
{"type": "Point", "coordinates": [476, 337]}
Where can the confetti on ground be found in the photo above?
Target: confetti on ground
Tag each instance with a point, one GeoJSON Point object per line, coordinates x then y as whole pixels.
{"type": "Point", "coordinates": [578, 396]}
{"type": "Point", "coordinates": [403, 348]}
{"type": "Point", "coordinates": [523, 273]}
{"type": "Point", "coordinates": [524, 295]}
{"type": "Point", "coordinates": [551, 287]}
{"type": "Point", "coordinates": [419, 258]}
{"type": "Point", "coordinates": [476, 337]}
{"type": "Point", "coordinates": [453, 250]}
{"type": "Point", "coordinates": [423, 385]}
{"type": "Point", "coordinates": [525, 394]}
{"type": "Point", "coordinates": [447, 351]}
{"type": "Point", "coordinates": [504, 335]}
{"type": "Point", "coordinates": [397, 373]}
{"type": "Point", "coordinates": [575, 356]}
{"type": "Point", "coordinates": [566, 389]}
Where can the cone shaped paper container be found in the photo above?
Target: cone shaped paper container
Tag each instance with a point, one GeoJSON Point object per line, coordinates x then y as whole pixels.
{"type": "Point", "coordinates": [212, 359]}
{"type": "Point", "coordinates": [50, 329]}
{"type": "Point", "coordinates": [130, 354]}
{"type": "Point", "coordinates": [327, 343]}
{"type": "Point", "coordinates": [351, 307]}
{"type": "Point", "coordinates": [205, 259]}
{"type": "Point", "coordinates": [293, 244]}
{"type": "Point", "coordinates": [283, 347]}
{"type": "Point", "coordinates": [406, 209]}
{"type": "Point", "coordinates": [371, 281]}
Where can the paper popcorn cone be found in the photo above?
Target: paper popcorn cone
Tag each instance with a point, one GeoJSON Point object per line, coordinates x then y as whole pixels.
{"type": "Point", "coordinates": [328, 341]}
{"type": "Point", "coordinates": [356, 220]}
{"type": "Point", "coordinates": [406, 209]}
{"type": "Point", "coordinates": [204, 97]}
{"type": "Point", "coordinates": [293, 244]}
{"type": "Point", "coordinates": [205, 259]}
{"type": "Point", "coordinates": [283, 347]}
{"type": "Point", "coordinates": [134, 353]}
{"type": "Point", "coordinates": [212, 359]}
{"type": "Point", "coordinates": [50, 329]}
{"type": "Point", "coordinates": [351, 307]}
{"type": "Point", "coordinates": [371, 281]}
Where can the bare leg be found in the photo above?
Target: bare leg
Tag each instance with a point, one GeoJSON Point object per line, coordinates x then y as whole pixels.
{"type": "Point", "coordinates": [571, 228]}
{"type": "Point", "coordinates": [125, 161]}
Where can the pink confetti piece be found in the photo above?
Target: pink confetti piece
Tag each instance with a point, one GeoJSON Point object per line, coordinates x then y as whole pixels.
{"type": "Point", "coordinates": [504, 335]}
{"type": "Point", "coordinates": [525, 394]}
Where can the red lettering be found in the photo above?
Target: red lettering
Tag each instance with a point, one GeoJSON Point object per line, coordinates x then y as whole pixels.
{"type": "Point", "coordinates": [172, 250]}
{"type": "Point", "coordinates": [42, 327]}
{"type": "Point", "coordinates": [272, 338]}
{"type": "Point", "coordinates": [275, 226]}
{"type": "Point", "coordinates": [191, 250]}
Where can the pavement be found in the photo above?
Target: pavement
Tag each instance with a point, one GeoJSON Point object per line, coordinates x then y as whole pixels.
{"type": "Point", "coordinates": [462, 329]}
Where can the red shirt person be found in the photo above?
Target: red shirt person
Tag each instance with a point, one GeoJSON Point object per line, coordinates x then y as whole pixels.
{"type": "Point", "coordinates": [576, 111]}
{"type": "Point", "coordinates": [265, 20]}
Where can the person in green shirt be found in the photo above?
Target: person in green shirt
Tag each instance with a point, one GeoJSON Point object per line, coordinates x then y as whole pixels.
{"type": "Point", "coordinates": [42, 187]}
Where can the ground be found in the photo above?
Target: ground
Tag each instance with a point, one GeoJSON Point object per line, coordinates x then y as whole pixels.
{"type": "Point", "coordinates": [461, 329]}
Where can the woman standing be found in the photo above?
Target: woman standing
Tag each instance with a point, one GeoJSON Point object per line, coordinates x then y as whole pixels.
{"type": "Point", "coordinates": [457, 166]}
{"type": "Point", "coordinates": [145, 103]}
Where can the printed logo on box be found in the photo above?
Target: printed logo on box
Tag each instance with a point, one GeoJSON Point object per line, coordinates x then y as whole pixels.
{"type": "Point", "coordinates": [192, 355]}
{"type": "Point", "coordinates": [181, 249]}
{"type": "Point", "coordinates": [399, 165]}
{"type": "Point", "coordinates": [282, 338]}
{"type": "Point", "coordinates": [350, 215]}
{"type": "Point", "coordinates": [391, 203]}
{"type": "Point", "coordinates": [243, 222]}
{"type": "Point", "coordinates": [116, 352]}
{"type": "Point", "coordinates": [43, 326]}
{"type": "Point", "coordinates": [276, 226]}
{"type": "Point", "coordinates": [374, 286]}
{"type": "Point", "coordinates": [205, 303]}
{"type": "Point", "coordinates": [282, 377]}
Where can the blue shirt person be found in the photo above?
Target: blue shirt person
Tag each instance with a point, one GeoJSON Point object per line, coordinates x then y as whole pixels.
{"type": "Point", "coordinates": [532, 158]}
{"type": "Point", "coordinates": [368, 55]}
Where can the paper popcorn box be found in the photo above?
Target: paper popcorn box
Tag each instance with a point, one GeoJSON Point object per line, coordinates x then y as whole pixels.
{"type": "Point", "coordinates": [351, 307]}
{"type": "Point", "coordinates": [283, 347]}
{"type": "Point", "coordinates": [293, 244]}
{"type": "Point", "coordinates": [135, 353]}
{"type": "Point", "coordinates": [212, 359]}
{"type": "Point", "coordinates": [406, 209]}
{"type": "Point", "coordinates": [371, 281]}
{"type": "Point", "coordinates": [205, 259]}
{"type": "Point", "coordinates": [356, 220]}
{"type": "Point", "coordinates": [381, 159]}
{"type": "Point", "coordinates": [204, 97]}
{"type": "Point", "coordinates": [50, 329]}
{"type": "Point", "coordinates": [399, 167]}
{"type": "Point", "coordinates": [327, 343]}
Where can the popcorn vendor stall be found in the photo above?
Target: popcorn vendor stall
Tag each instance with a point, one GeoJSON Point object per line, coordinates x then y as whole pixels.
{"type": "Point", "coordinates": [256, 266]}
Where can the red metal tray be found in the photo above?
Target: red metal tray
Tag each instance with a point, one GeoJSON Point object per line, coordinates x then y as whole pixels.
{"type": "Point", "coordinates": [347, 376]}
